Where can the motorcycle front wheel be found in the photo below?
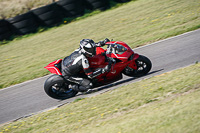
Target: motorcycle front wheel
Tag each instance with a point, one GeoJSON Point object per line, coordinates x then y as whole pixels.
{"type": "Point", "coordinates": [143, 67]}
{"type": "Point", "coordinates": [56, 87]}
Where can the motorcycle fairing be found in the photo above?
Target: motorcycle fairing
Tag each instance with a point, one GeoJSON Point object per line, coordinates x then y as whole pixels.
{"type": "Point", "coordinates": [132, 63]}
{"type": "Point", "coordinates": [97, 61]}
{"type": "Point", "coordinates": [53, 67]}
{"type": "Point", "coordinates": [124, 56]}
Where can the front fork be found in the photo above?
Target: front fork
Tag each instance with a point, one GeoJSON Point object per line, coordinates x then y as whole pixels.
{"type": "Point", "coordinates": [132, 63]}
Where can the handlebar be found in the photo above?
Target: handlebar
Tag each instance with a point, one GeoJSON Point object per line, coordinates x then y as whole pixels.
{"type": "Point", "coordinates": [111, 48]}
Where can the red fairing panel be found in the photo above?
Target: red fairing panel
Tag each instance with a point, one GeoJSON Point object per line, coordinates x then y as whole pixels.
{"type": "Point", "coordinates": [98, 60]}
{"type": "Point", "coordinates": [121, 43]}
{"type": "Point", "coordinates": [132, 63]}
{"type": "Point", "coordinates": [99, 50]}
{"type": "Point", "coordinates": [124, 57]}
{"type": "Point", "coordinates": [51, 67]}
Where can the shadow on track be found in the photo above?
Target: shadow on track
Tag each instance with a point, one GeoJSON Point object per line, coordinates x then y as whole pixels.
{"type": "Point", "coordinates": [114, 84]}
{"type": "Point", "coordinates": [126, 80]}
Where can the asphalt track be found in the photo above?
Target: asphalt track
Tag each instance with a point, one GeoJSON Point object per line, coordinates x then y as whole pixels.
{"type": "Point", "coordinates": [28, 98]}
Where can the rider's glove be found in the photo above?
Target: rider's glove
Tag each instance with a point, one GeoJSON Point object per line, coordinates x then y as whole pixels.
{"type": "Point", "coordinates": [106, 40]}
{"type": "Point", "coordinates": [102, 43]}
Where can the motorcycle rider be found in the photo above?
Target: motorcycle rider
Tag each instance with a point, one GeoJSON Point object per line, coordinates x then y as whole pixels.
{"type": "Point", "coordinates": [78, 60]}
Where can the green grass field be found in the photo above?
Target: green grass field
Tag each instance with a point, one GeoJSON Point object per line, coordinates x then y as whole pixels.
{"type": "Point", "coordinates": [165, 103]}
{"type": "Point", "coordinates": [11, 8]}
{"type": "Point", "coordinates": [136, 23]}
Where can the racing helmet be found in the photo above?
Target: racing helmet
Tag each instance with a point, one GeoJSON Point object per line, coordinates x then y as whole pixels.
{"type": "Point", "coordinates": [88, 47]}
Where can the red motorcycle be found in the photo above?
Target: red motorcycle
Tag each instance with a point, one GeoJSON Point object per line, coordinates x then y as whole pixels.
{"type": "Point", "coordinates": [124, 61]}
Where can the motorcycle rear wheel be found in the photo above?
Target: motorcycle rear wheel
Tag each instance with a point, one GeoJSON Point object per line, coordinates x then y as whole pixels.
{"type": "Point", "coordinates": [56, 87]}
{"type": "Point", "coordinates": [143, 67]}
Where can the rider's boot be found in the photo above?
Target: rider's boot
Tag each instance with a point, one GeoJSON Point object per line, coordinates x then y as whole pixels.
{"type": "Point", "coordinates": [78, 88]}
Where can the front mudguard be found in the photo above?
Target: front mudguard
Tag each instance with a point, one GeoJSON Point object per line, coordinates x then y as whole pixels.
{"type": "Point", "coordinates": [132, 63]}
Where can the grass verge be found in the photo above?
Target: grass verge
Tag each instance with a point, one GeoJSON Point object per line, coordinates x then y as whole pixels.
{"type": "Point", "coordinates": [11, 8]}
{"type": "Point", "coordinates": [137, 23]}
{"type": "Point", "coordinates": [165, 103]}
{"type": "Point", "coordinates": [87, 13]}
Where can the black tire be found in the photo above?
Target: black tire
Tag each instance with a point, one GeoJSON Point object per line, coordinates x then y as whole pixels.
{"type": "Point", "coordinates": [24, 27]}
{"type": "Point", "coordinates": [92, 1]}
{"type": "Point", "coordinates": [101, 5]}
{"type": "Point", "coordinates": [27, 30]}
{"type": "Point", "coordinates": [5, 36]}
{"type": "Point", "coordinates": [56, 87]}
{"type": "Point", "coordinates": [122, 1]}
{"type": "Point", "coordinates": [3, 23]}
{"type": "Point", "coordinates": [65, 2]}
{"type": "Point", "coordinates": [70, 7]}
{"type": "Point", "coordinates": [5, 30]}
{"type": "Point", "coordinates": [77, 7]}
{"type": "Point", "coordinates": [143, 67]}
{"type": "Point", "coordinates": [45, 9]}
{"type": "Point", "coordinates": [52, 16]}
{"type": "Point", "coordinates": [73, 8]}
{"type": "Point", "coordinates": [97, 4]}
{"type": "Point", "coordinates": [25, 23]}
{"type": "Point", "coordinates": [51, 22]}
{"type": "Point", "coordinates": [21, 17]}
{"type": "Point", "coordinates": [47, 15]}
